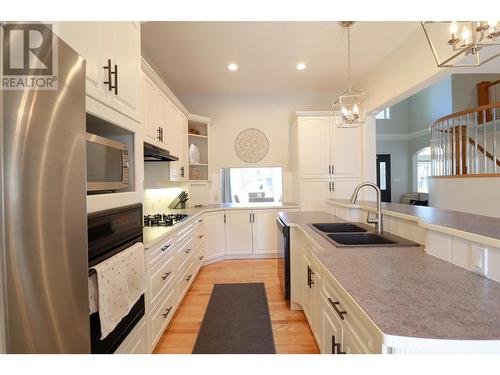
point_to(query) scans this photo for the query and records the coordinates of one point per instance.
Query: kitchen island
(401, 298)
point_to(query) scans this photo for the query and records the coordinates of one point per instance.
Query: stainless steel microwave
(107, 164)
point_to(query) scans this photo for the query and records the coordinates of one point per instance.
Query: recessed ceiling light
(301, 66)
(232, 67)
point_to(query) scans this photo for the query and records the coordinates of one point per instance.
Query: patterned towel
(120, 283)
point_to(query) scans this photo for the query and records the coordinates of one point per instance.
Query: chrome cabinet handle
(189, 277)
(329, 169)
(200, 221)
(165, 247)
(167, 312)
(333, 185)
(310, 281)
(164, 277)
(339, 312)
(200, 236)
(187, 251)
(333, 168)
(201, 258)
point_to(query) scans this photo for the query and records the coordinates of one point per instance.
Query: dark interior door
(384, 176)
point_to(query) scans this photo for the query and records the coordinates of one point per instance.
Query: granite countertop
(152, 235)
(407, 292)
(437, 218)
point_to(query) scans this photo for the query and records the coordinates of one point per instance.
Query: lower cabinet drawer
(158, 279)
(156, 252)
(185, 279)
(184, 253)
(159, 318)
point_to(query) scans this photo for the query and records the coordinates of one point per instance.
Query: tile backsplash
(157, 200)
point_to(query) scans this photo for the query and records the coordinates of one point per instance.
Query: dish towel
(120, 283)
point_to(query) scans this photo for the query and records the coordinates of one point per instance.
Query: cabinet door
(265, 233)
(343, 189)
(350, 342)
(313, 194)
(122, 44)
(331, 328)
(215, 235)
(238, 232)
(179, 133)
(163, 111)
(149, 109)
(345, 151)
(314, 147)
(86, 39)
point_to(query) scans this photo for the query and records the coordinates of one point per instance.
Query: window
(423, 169)
(251, 185)
(384, 114)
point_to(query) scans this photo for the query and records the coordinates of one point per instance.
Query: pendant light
(350, 107)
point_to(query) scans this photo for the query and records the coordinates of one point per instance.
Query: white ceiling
(193, 56)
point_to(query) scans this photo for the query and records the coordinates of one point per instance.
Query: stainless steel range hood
(154, 153)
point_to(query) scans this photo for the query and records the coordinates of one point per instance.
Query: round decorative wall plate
(251, 145)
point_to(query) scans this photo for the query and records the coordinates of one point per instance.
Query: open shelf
(198, 135)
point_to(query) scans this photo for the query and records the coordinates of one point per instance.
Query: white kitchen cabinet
(122, 44)
(326, 151)
(314, 147)
(329, 160)
(264, 231)
(164, 115)
(215, 235)
(178, 135)
(314, 193)
(86, 39)
(149, 109)
(238, 231)
(119, 42)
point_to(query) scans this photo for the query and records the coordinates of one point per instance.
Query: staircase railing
(465, 143)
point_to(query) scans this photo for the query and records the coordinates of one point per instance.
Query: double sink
(358, 235)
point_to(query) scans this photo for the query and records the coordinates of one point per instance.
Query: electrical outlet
(479, 259)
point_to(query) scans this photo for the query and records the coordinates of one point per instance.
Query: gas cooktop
(163, 220)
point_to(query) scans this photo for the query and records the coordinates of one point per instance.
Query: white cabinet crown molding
(151, 73)
(198, 118)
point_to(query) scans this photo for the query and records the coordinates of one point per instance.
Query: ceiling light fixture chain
(350, 107)
(349, 83)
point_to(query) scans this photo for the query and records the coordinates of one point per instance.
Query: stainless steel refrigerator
(44, 219)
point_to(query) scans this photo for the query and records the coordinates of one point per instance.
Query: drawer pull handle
(164, 277)
(189, 277)
(310, 280)
(200, 236)
(200, 221)
(165, 247)
(340, 313)
(167, 312)
(201, 258)
(187, 251)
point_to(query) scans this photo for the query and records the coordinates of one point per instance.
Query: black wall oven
(284, 257)
(110, 232)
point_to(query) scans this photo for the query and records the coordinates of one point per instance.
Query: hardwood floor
(292, 334)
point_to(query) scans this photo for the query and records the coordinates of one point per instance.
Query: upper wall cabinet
(326, 151)
(112, 52)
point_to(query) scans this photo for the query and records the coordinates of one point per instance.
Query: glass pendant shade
(350, 109)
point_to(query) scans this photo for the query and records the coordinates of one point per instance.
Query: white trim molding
(151, 73)
(402, 136)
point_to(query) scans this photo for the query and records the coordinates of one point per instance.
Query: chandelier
(463, 43)
(350, 107)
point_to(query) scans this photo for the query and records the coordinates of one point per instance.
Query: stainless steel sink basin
(356, 239)
(337, 227)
